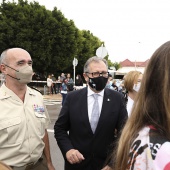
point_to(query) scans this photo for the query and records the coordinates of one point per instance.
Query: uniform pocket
(41, 118)
(9, 130)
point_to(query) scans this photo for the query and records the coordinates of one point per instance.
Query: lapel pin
(108, 100)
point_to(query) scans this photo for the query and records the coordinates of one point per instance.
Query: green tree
(117, 65)
(51, 39)
(110, 63)
(90, 43)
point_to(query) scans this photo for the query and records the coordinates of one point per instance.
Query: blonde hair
(131, 78)
(151, 107)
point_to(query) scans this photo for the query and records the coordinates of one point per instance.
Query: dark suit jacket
(74, 118)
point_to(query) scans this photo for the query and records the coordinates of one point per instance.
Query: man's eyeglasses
(97, 74)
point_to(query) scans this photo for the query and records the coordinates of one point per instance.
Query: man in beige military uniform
(24, 118)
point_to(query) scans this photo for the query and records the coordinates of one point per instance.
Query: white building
(128, 65)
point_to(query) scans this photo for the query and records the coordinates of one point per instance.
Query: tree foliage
(52, 40)
(117, 65)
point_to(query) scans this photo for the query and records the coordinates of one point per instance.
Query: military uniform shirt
(22, 127)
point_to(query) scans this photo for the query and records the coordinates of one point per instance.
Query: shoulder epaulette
(32, 87)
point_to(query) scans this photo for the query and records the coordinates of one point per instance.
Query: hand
(74, 156)
(50, 166)
(107, 168)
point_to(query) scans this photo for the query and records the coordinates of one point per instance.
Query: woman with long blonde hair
(132, 82)
(145, 140)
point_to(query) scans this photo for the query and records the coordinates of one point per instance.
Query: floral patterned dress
(149, 151)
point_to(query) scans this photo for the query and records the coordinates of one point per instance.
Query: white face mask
(136, 87)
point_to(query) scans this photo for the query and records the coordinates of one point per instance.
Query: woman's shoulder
(153, 148)
(162, 159)
(160, 149)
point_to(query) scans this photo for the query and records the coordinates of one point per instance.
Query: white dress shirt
(90, 101)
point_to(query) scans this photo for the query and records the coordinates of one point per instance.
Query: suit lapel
(84, 110)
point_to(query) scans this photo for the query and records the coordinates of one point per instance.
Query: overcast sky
(131, 29)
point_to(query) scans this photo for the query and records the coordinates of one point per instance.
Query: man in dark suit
(85, 129)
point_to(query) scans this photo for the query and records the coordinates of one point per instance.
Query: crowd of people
(97, 129)
(55, 85)
(63, 84)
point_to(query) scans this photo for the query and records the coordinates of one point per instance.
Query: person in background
(88, 119)
(49, 84)
(109, 82)
(24, 119)
(70, 83)
(145, 140)
(53, 85)
(121, 89)
(78, 82)
(58, 85)
(64, 90)
(114, 85)
(62, 77)
(132, 84)
(120, 85)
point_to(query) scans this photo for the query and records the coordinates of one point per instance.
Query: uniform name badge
(39, 111)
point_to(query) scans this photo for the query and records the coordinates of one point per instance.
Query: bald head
(13, 53)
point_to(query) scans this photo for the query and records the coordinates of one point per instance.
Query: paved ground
(53, 105)
(56, 97)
